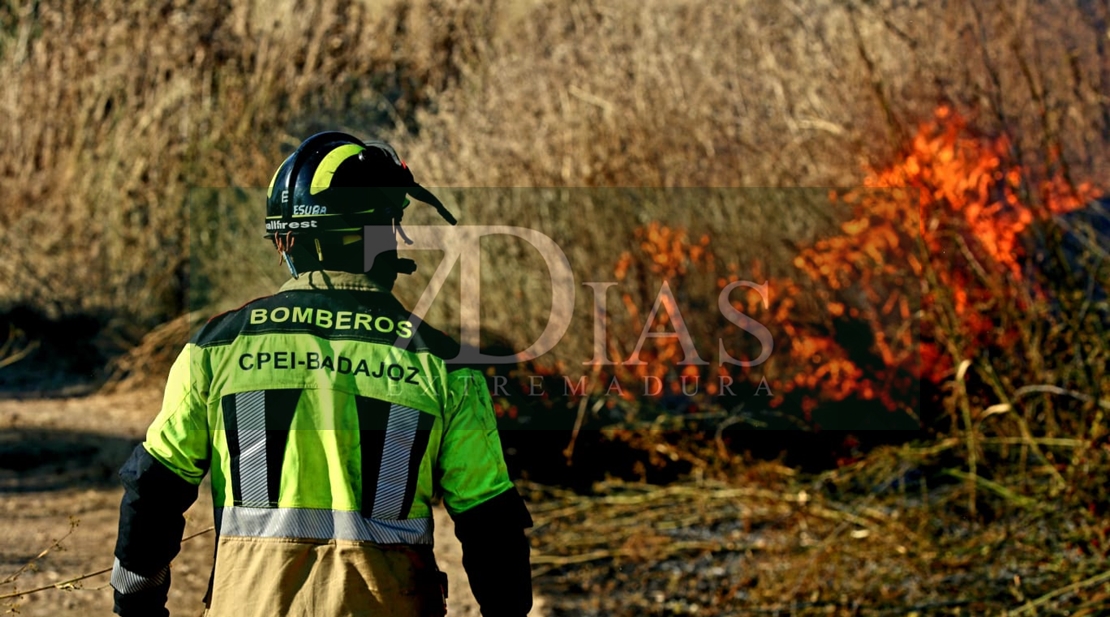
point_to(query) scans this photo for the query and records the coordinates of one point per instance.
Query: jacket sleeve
(490, 517)
(496, 554)
(160, 482)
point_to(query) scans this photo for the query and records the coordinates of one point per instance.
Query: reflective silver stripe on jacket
(250, 412)
(393, 477)
(125, 581)
(312, 524)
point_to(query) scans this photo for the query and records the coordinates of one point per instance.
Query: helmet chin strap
(283, 247)
(403, 266)
(397, 229)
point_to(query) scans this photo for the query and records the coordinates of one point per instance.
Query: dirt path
(58, 460)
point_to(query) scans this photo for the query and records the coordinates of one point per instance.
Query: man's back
(326, 412)
(328, 419)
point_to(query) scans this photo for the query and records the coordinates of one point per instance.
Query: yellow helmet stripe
(270, 191)
(321, 180)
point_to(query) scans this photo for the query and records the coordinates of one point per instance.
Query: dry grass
(882, 537)
(116, 111)
(136, 135)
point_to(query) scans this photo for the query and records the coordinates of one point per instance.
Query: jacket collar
(333, 279)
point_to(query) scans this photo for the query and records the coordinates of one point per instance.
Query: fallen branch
(1048, 389)
(660, 553)
(71, 581)
(60, 585)
(73, 523)
(1046, 598)
(995, 488)
(9, 354)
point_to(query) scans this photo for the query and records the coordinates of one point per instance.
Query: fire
(913, 279)
(963, 179)
(950, 214)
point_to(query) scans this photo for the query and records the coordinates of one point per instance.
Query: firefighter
(327, 417)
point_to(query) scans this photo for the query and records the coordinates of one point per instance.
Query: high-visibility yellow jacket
(327, 417)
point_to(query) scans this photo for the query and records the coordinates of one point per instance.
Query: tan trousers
(268, 577)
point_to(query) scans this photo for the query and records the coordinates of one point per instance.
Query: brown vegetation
(136, 136)
(117, 112)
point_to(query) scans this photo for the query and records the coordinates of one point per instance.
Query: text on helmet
(282, 225)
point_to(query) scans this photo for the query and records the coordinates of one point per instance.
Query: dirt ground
(58, 462)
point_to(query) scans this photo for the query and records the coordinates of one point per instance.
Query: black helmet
(334, 185)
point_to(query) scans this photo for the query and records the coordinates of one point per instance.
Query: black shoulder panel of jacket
(496, 554)
(335, 314)
(150, 526)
